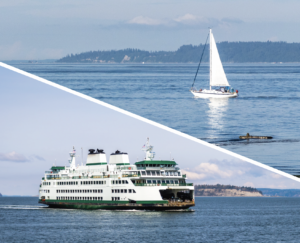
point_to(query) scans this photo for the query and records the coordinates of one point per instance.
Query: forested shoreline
(232, 52)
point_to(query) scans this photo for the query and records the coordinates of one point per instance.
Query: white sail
(217, 74)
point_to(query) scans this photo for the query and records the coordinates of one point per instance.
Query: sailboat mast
(210, 59)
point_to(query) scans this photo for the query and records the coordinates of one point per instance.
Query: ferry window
(112, 198)
(167, 173)
(153, 173)
(121, 190)
(113, 182)
(126, 182)
(143, 172)
(150, 165)
(176, 182)
(118, 198)
(76, 182)
(148, 173)
(172, 182)
(99, 191)
(149, 181)
(171, 173)
(178, 173)
(167, 181)
(125, 190)
(112, 191)
(89, 182)
(133, 191)
(158, 173)
(97, 182)
(123, 182)
(154, 181)
(158, 181)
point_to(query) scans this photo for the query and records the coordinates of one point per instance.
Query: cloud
(13, 157)
(207, 170)
(186, 20)
(190, 19)
(141, 20)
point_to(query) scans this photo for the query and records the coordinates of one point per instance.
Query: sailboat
(219, 86)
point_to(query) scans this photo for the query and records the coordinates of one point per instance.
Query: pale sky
(39, 125)
(35, 29)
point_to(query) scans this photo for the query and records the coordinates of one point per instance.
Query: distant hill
(226, 191)
(237, 52)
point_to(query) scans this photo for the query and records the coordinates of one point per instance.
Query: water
(269, 102)
(213, 220)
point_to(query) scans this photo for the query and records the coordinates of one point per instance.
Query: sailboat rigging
(217, 76)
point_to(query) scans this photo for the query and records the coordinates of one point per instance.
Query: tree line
(220, 187)
(235, 52)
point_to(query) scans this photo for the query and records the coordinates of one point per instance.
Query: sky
(40, 124)
(35, 29)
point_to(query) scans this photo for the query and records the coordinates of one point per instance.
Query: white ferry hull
(205, 95)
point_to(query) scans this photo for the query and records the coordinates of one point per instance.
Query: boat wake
(22, 207)
(230, 142)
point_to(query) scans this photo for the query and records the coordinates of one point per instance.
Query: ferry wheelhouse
(148, 184)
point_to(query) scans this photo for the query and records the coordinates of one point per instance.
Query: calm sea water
(213, 220)
(269, 102)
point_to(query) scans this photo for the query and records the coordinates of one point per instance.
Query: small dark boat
(248, 136)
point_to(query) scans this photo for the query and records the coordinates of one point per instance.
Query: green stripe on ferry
(105, 201)
(97, 163)
(156, 162)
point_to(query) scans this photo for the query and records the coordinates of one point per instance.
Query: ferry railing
(158, 168)
(163, 184)
(162, 174)
(79, 177)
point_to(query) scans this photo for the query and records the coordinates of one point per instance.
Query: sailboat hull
(213, 94)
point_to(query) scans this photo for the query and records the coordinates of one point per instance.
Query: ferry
(118, 185)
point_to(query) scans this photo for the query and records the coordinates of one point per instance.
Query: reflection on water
(215, 115)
